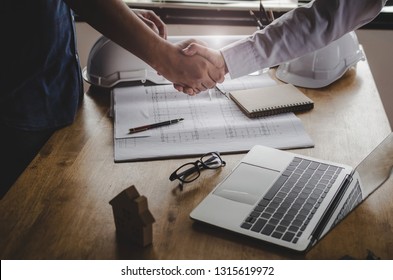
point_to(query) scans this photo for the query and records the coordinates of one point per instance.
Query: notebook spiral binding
(295, 107)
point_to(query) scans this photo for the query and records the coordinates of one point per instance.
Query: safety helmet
(323, 66)
(108, 64)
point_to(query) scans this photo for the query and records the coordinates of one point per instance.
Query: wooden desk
(59, 207)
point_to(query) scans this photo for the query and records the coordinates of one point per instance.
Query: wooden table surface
(59, 208)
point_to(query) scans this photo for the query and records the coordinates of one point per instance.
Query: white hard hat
(108, 64)
(324, 66)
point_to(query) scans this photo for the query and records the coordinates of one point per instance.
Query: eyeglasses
(191, 171)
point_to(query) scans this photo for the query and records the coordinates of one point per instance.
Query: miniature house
(133, 220)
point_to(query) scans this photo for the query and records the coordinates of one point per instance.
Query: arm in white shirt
(300, 31)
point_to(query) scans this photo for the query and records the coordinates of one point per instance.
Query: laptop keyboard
(287, 208)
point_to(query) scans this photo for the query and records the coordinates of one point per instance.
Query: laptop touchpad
(247, 184)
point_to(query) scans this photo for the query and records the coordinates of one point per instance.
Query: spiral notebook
(259, 102)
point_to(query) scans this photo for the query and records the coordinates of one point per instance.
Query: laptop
(292, 200)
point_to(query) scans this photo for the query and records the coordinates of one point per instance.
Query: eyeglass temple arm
(185, 173)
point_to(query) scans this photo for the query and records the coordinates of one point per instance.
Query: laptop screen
(376, 168)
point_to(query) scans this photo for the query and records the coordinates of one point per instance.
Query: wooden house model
(133, 220)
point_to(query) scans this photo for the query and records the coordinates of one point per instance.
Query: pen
(220, 91)
(154, 125)
(259, 23)
(210, 94)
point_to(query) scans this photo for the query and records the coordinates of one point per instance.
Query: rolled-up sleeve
(298, 32)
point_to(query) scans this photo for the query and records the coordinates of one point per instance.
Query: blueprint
(211, 122)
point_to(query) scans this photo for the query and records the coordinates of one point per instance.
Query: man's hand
(215, 75)
(213, 56)
(153, 21)
(191, 74)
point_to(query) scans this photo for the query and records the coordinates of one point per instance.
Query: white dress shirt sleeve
(300, 31)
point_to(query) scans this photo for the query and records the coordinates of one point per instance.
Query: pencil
(262, 11)
(259, 23)
(153, 125)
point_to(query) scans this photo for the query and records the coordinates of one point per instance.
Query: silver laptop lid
(376, 168)
(372, 172)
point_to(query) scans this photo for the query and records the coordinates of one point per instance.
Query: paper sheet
(214, 124)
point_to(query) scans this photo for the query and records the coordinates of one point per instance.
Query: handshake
(191, 66)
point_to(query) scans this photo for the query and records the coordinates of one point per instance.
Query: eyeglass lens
(211, 161)
(188, 172)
